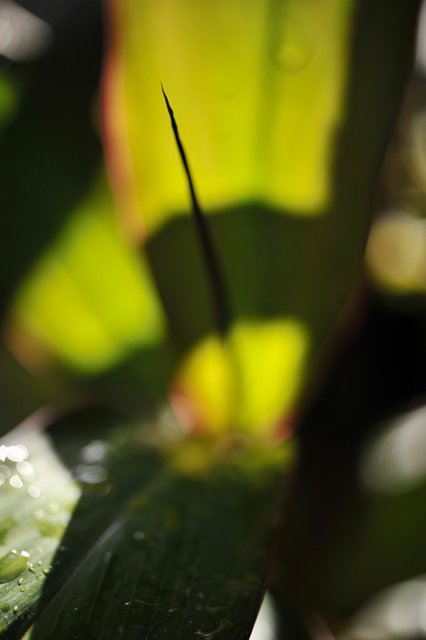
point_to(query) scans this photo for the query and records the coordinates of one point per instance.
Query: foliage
(171, 356)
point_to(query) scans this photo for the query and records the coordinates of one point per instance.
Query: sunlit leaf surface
(284, 109)
(89, 301)
(71, 290)
(104, 536)
(258, 91)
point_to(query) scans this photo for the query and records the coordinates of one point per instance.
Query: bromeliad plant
(243, 141)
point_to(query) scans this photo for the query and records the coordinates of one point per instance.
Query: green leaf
(105, 535)
(63, 258)
(63, 309)
(284, 109)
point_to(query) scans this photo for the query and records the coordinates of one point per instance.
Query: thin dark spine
(214, 273)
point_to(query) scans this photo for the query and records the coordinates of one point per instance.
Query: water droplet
(214, 632)
(138, 535)
(47, 570)
(91, 474)
(34, 492)
(5, 606)
(5, 471)
(22, 589)
(21, 580)
(30, 567)
(17, 453)
(11, 566)
(292, 52)
(25, 468)
(15, 609)
(16, 482)
(93, 452)
(25, 554)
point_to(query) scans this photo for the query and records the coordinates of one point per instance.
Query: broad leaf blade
(284, 153)
(63, 311)
(153, 547)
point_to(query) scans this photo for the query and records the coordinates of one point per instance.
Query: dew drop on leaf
(291, 53)
(11, 566)
(138, 535)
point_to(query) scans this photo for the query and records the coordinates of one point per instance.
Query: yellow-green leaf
(283, 109)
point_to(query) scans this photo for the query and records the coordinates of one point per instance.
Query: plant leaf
(110, 537)
(284, 124)
(63, 309)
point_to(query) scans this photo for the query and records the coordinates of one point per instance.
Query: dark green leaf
(129, 540)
